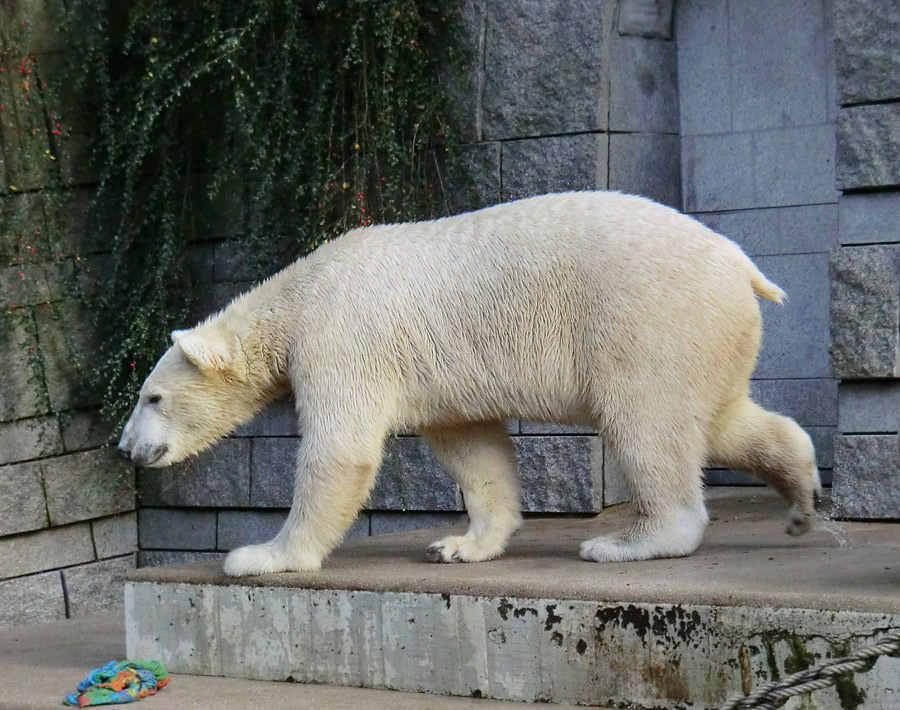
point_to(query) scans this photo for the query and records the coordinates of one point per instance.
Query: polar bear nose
(123, 452)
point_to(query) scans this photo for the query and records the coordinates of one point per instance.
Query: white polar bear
(584, 308)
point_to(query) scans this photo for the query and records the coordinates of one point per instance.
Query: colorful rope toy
(119, 682)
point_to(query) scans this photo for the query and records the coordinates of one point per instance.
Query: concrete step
(541, 625)
(41, 664)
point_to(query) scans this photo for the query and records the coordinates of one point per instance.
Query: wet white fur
(589, 308)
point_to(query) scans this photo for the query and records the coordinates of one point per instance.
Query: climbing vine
(273, 124)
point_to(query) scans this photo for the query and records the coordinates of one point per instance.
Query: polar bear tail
(764, 288)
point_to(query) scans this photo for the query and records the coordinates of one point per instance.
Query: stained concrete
(41, 664)
(540, 625)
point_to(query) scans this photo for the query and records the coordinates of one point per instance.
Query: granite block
(278, 419)
(717, 172)
(541, 165)
(473, 181)
(85, 429)
(46, 549)
(646, 164)
(392, 522)
(531, 428)
(222, 214)
(173, 529)
(866, 484)
(88, 484)
(870, 218)
(802, 229)
(35, 599)
(22, 393)
(868, 146)
(412, 479)
(27, 439)
(201, 261)
(115, 535)
(248, 527)
(794, 166)
(42, 21)
(272, 473)
(704, 66)
(810, 402)
(529, 45)
(159, 558)
(560, 474)
(728, 477)
(23, 138)
(643, 85)
(866, 53)
(823, 440)
(464, 79)
(795, 335)
(22, 504)
(218, 477)
(215, 297)
(26, 284)
(778, 78)
(66, 340)
(97, 587)
(865, 312)
(869, 407)
(615, 485)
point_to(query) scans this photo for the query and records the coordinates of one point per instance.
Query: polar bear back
(549, 307)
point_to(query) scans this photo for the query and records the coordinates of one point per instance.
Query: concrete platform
(41, 664)
(542, 625)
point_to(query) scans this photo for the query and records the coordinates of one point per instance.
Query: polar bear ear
(211, 355)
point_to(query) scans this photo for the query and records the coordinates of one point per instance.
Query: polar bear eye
(154, 398)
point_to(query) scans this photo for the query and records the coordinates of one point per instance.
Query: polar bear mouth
(150, 458)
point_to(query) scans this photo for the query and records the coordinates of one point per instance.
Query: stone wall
(68, 526)
(726, 116)
(757, 148)
(558, 96)
(865, 327)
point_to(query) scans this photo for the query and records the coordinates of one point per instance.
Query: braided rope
(774, 694)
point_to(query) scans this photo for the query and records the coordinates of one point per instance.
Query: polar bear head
(199, 391)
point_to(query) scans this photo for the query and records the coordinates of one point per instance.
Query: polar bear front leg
(333, 479)
(481, 459)
(662, 465)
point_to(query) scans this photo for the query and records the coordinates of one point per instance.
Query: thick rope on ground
(775, 694)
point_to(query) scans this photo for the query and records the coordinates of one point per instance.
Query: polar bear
(590, 308)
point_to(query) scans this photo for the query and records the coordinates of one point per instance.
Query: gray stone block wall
(780, 140)
(865, 269)
(67, 523)
(66, 502)
(758, 164)
(59, 511)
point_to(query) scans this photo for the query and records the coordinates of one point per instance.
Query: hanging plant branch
(317, 117)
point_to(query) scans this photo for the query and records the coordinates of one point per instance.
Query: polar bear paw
(618, 549)
(463, 548)
(798, 523)
(265, 559)
(609, 549)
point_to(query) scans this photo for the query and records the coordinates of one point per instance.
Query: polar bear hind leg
(774, 449)
(481, 459)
